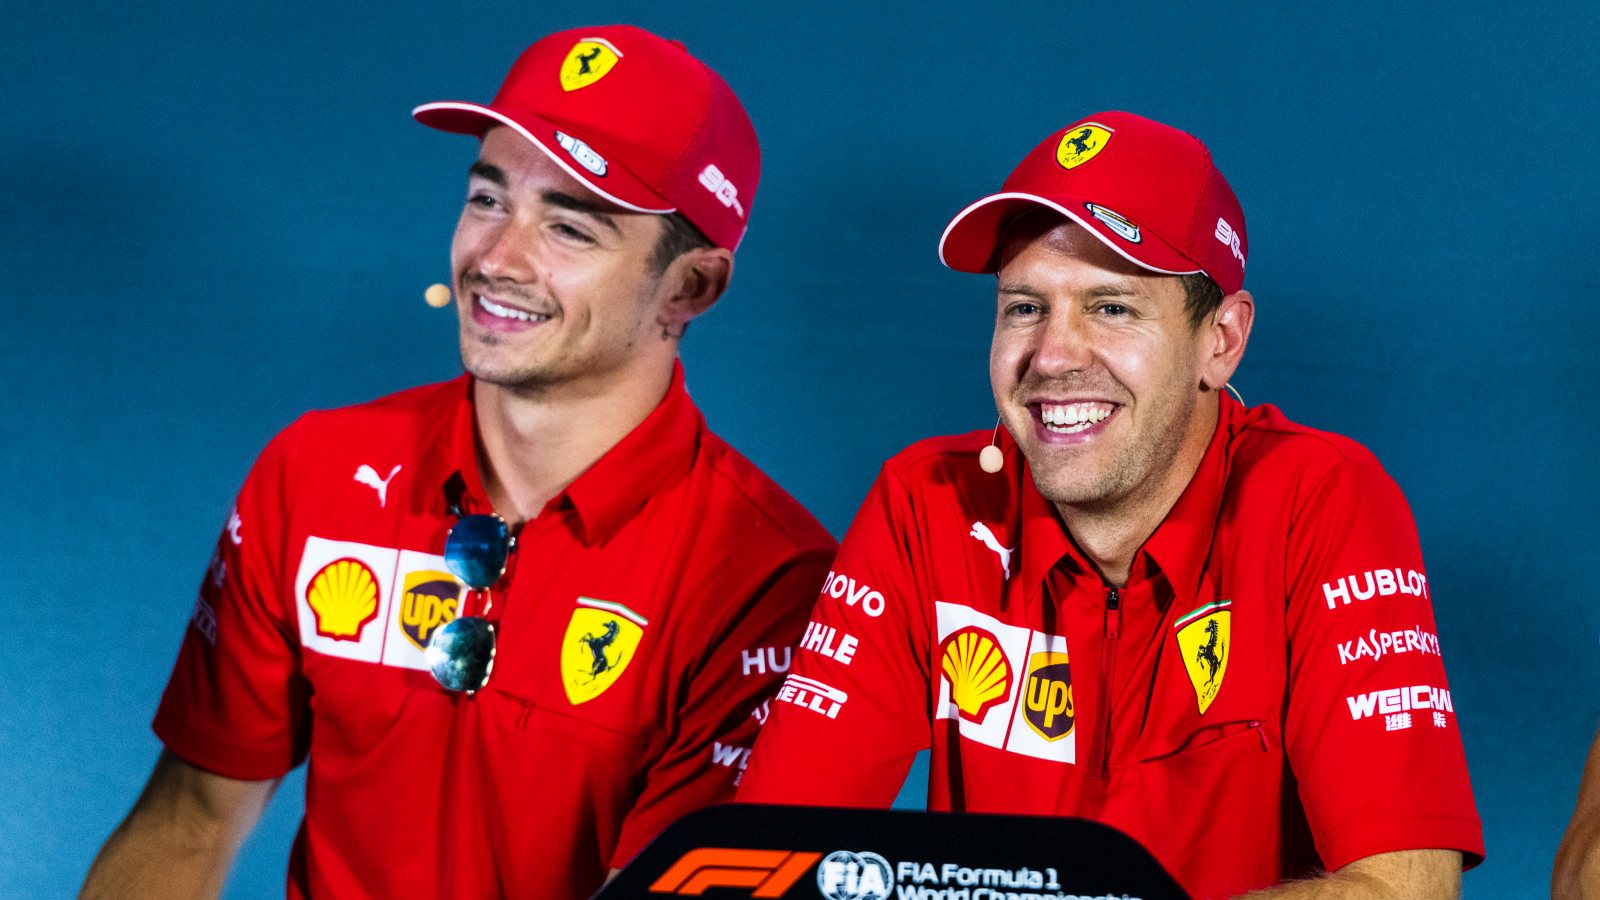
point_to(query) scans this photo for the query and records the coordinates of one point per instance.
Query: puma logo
(982, 533)
(368, 476)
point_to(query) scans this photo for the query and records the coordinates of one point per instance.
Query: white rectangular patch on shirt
(342, 595)
(979, 660)
(427, 596)
(1045, 724)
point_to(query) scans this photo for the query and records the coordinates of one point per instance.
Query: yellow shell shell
(344, 595)
(979, 673)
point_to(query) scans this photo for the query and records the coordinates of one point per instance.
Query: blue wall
(217, 218)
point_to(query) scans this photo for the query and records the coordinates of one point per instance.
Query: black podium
(853, 854)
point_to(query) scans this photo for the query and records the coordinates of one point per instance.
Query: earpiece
(990, 458)
(437, 295)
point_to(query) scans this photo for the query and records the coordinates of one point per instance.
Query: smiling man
(522, 620)
(1144, 604)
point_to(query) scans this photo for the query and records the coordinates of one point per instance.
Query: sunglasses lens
(475, 550)
(461, 652)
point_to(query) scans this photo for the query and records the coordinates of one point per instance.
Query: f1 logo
(770, 872)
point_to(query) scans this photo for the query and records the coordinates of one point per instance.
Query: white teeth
(506, 312)
(1071, 418)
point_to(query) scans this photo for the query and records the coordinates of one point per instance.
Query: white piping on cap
(511, 123)
(1014, 195)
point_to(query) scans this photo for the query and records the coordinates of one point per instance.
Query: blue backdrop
(218, 217)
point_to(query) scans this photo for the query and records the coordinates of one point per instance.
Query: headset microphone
(437, 295)
(990, 458)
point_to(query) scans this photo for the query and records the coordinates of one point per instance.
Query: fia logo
(844, 875)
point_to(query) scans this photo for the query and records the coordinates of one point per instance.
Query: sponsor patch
(830, 642)
(1117, 222)
(1204, 637)
(981, 533)
(712, 179)
(976, 670)
(602, 638)
(589, 60)
(809, 693)
(1400, 700)
(1225, 233)
(343, 596)
(1376, 645)
(843, 587)
(1082, 144)
(1047, 696)
(1006, 721)
(583, 154)
(1375, 583)
(428, 599)
(764, 660)
(204, 620)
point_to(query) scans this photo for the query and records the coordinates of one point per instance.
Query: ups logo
(428, 599)
(1047, 704)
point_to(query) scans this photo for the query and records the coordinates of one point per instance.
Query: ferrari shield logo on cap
(1081, 144)
(1204, 636)
(601, 640)
(589, 60)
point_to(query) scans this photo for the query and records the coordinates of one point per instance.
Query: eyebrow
(1103, 290)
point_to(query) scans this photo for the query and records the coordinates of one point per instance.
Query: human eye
(480, 199)
(1021, 310)
(1113, 310)
(571, 233)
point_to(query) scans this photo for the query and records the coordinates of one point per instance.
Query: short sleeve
(723, 709)
(1371, 730)
(236, 703)
(854, 711)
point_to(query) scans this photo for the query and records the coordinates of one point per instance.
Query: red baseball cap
(632, 116)
(1147, 190)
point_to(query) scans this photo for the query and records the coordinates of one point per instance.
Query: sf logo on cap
(1081, 143)
(589, 60)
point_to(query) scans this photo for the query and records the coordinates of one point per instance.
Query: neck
(1111, 533)
(532, 444)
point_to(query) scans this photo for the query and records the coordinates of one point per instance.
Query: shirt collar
(608, 493)
(1180, 545)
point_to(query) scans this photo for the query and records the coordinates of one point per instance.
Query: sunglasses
(461, 652)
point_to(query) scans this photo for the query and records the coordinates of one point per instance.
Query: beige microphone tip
(991, 460)
(437, 295)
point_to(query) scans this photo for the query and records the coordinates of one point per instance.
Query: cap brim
(971, 242)
(618, 185)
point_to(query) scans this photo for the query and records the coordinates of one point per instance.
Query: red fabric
(517, 791)
(1291, 767)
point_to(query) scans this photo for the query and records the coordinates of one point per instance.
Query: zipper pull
(1113, 614)
(1261, 733)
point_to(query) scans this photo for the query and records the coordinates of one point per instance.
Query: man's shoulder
(756, 506)
(398, 414)
(1268, 446)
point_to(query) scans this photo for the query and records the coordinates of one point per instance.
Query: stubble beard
(1120, 476)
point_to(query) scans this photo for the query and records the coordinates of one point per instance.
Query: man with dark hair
(522, 620)
(1143, 603)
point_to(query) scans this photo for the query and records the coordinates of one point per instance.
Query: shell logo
(344, 597)
(978, 671)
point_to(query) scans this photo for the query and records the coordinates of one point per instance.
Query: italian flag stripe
(1202, 612)
(617, 608)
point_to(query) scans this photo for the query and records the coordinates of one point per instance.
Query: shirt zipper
(1108, 668)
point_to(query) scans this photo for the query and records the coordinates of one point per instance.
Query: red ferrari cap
(633, 116)
(1149, 191)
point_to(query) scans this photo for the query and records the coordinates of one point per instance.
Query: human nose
(1063, 348)
(510, 252)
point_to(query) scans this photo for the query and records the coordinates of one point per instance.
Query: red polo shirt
(647, 612)
(1264, 697)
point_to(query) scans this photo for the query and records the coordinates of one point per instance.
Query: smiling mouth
(1073, 418)
(509, 313)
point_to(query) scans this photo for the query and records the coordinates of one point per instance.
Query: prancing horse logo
(1208, 651)
(597, 644)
